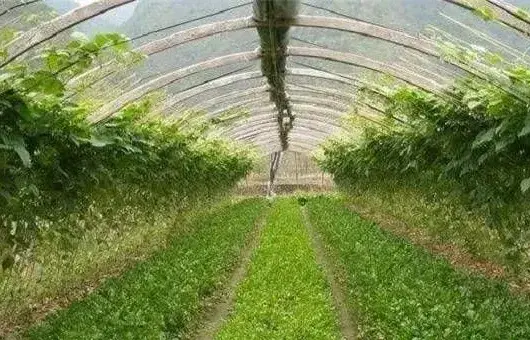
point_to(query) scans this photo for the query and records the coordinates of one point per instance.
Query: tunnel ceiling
(295, 66)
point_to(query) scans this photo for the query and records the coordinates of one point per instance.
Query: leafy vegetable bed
(402, 292)
(285, 295)
(161, 296)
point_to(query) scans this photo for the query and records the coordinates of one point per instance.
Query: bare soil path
(221, 304)
(347, 327)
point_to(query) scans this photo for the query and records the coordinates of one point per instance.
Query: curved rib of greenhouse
(264, 19)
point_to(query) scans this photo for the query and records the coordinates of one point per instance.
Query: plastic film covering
(295, 77)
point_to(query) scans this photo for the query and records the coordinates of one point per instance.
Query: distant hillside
(61, 6)
(108, 22)
(25, 17)
(154, 14)
(412, 16)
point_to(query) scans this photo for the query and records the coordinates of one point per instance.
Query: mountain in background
(61, 6)
(108, 22)
(412, 16)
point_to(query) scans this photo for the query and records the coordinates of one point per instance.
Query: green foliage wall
(470, 146)
(54, 163)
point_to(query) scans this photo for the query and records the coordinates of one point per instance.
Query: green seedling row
(162, 296)
(400, 291)
(285, 295)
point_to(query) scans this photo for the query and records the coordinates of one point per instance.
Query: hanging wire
(321, 69)
(341, 14)
(331, 11)
(158, 30)
(343, 76)
(310, 43)
(142, 80)
(219, 77)
(165, 28)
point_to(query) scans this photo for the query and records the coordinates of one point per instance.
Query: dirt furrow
(222, 303)
(347, 327)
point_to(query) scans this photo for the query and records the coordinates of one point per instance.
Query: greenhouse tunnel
(390, 139)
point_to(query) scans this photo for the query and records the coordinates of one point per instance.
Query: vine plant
(473, 143)
(53, 162)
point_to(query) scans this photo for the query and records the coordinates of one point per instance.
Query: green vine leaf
(45, 83)
(16, 143)
(526, 129)
(484, 137)
(525, 185)
(485, 13)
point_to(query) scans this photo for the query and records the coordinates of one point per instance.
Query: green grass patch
(442, 216)
(160, 297)
(285, 295)
(400, 291)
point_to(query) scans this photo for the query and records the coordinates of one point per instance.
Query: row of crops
(392, 289)
(161, 297)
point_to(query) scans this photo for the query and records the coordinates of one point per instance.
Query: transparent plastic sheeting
(294, 66)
